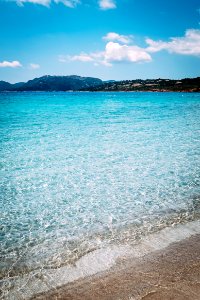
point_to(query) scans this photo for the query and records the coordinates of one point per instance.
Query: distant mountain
(17, 85)
(53, 83)
(153, 85)
(78, 83)
(5, 86)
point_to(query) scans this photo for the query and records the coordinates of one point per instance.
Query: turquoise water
(83, 170)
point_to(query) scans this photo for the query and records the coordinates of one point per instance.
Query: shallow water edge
(94, 262)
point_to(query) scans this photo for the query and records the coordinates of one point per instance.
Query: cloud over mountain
(114, 53)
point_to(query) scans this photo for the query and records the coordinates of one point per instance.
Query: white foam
(98, 261)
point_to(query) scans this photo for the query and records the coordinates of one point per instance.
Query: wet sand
(171, 273)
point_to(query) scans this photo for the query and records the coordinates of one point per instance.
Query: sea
(85, 171)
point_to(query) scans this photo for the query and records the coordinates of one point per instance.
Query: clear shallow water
(83, 170)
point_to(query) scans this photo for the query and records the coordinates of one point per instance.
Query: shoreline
(105, 264)
(170, 273)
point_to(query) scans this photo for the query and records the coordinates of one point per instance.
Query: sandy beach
(171, 273)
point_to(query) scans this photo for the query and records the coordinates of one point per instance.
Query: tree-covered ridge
(78, 83)
(154, 85)
(52, 83)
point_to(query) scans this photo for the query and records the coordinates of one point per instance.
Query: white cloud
(107, 4)
(41, 2)
(118, 49)
(113, 36)
(10, 64)
(34, 66)
(187, 45)
(82, 57)
(68, 3)
(113, 53)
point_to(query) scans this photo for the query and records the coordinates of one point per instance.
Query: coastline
(78, 83)
(121, 271)
(170, 273)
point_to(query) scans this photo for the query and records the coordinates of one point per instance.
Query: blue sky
(121, 39)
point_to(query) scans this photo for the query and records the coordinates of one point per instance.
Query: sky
(108, 39)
